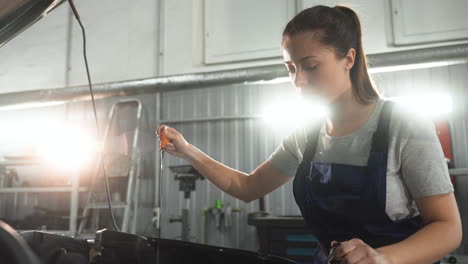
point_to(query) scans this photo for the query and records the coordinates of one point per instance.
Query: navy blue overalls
(341, 202)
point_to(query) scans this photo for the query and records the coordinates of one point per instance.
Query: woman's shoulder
(408, 122)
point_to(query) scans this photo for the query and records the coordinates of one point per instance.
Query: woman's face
(314, 68)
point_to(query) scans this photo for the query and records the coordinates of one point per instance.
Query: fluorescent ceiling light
(29, 105)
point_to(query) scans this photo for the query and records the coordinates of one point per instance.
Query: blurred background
(213, 70)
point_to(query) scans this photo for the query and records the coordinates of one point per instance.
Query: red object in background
(443, 132)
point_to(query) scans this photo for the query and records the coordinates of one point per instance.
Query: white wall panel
(36, 58)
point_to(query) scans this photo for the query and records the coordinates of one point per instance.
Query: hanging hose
(77, 16)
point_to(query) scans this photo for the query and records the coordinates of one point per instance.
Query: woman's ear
(350, 58)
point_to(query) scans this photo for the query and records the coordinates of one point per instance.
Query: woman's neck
(347, 114)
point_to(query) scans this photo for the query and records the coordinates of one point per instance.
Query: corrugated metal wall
(241, 144)
(243, 141)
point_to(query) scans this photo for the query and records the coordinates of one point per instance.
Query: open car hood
(18, 15)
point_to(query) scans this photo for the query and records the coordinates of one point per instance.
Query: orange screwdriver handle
(163, 138)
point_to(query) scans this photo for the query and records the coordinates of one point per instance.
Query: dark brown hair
(339, 28)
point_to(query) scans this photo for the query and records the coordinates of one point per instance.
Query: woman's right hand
(177, 144)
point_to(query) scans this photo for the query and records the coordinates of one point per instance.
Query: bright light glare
(428, 105)
(294, 112)
(66, 148)
(62, 146)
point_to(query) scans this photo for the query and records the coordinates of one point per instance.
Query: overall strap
(312, 138)
(380, 138)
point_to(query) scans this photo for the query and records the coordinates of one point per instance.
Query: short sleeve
(423, 166)
(287, 156)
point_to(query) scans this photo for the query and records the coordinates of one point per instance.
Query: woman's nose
(300, 79)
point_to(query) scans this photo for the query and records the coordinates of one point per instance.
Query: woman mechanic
(369, 175)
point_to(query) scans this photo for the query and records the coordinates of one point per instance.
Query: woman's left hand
(355, 251)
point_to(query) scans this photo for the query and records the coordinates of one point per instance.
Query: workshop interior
(85, 85)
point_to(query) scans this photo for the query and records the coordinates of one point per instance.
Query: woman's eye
(312, 68)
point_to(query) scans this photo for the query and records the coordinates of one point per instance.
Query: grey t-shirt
(416, 165)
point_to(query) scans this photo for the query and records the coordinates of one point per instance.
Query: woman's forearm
(428, 245)
(227, 179)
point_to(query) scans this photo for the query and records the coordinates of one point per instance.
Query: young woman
(370, 176)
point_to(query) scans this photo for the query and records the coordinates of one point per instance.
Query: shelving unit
(74, 189)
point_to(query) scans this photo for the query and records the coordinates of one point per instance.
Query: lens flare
(294, 112)
(433, 106)
(67, 148)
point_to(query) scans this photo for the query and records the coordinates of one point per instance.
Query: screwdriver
(331, 257)
(163, 138)
(164, 141)
(163, 144)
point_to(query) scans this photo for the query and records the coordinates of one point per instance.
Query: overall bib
(341, 202)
